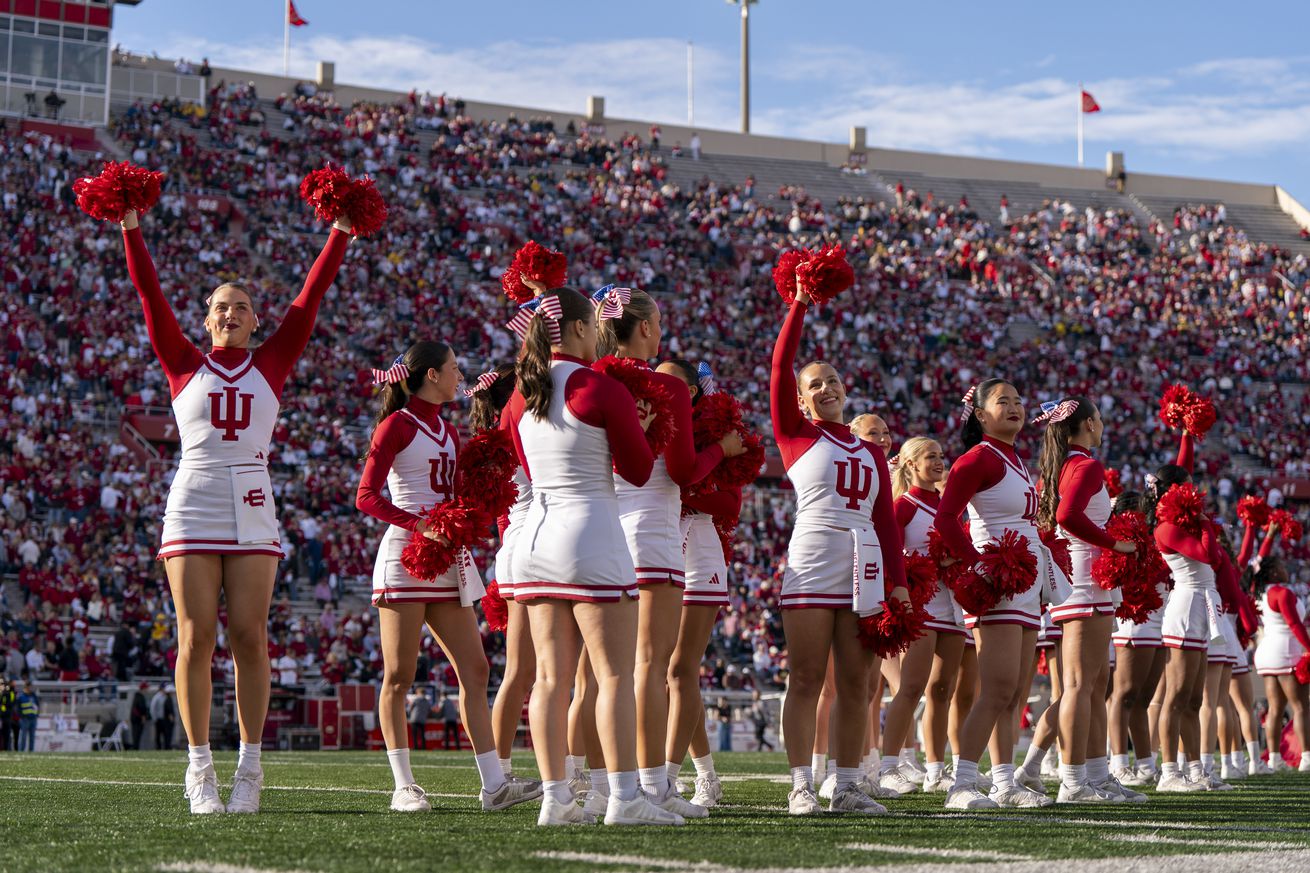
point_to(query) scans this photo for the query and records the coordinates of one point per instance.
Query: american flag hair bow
(967, 402)
(485, 381)
(705, 378)
(397, 372)
(611, 301)
(1053, 411)
(548, 306)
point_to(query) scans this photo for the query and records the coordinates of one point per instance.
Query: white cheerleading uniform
(518, 513)
(1279, 648)
(1193, 609)
(1086, 599)
(221, 499)
(651, 519)
(1146, 635)
(945, 615)
(706, 569)
(571, 545)
(422, 461)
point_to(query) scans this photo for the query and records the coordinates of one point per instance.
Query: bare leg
(823, 709)
(195, 581)
(657, 632)
(1277, 695)
(1000, 665)
(809, 641)
(556, 640)
(248, 589)
(609, 630)
(1298, 697)
(456, 630)
(916, 666)
(520, 667)
(685, 706)
(941, 686)
(852, 665)
(966, 692)
(400, 628)
(1084, 658)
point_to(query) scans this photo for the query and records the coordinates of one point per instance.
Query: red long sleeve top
(976, 470)
(274, 358)
(389, 438)
(686, 466)
(1283, 601)
(1081, 478)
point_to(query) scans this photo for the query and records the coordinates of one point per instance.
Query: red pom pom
(714, 417)
(333, 195)
(538, 263)
(120, 188)
(1182, 506)
(1199, 416)
(463, 525)
(636, 377)
(1113, 483)
(1009, 564)
(948, 568)
(726, 527)
(1287, 525)
(891, 631)
(365, 208)
(1059, 548)
(1254, 511)
(1173, 403)
(784, 274)
(920, 578)
(494, 608)
(485, 472)
(1302, 669)
(1181, 407)
(973, 592)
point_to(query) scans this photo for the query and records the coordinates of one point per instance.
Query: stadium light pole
(745, 61)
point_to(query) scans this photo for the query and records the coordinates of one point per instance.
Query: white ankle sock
(489, 771)
(600, 782)
(847, 776)
(672, 769)
(935, 769)
(200, 757)
(624, 786)
(1168, 770)
(819, 765)
(1073, 775)
(248, 756)
(886, 765)
(558, 789)
(574, 765)
(1003, 776)
(705, 766)
(1119, 762)
(400, 769)
(1253, 750)
(1032, 759)
(907, 756)
(966, 773)
(1195, 771)
(802, 777)
(654, 780)
(507, 766)
(1098, 769)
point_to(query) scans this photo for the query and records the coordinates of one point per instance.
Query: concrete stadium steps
(1267, 224)
(985, 194)
(819, 179)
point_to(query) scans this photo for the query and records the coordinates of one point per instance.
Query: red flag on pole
(294, 19)
(1089, 103)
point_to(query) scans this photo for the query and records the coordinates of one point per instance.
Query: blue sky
(1191, 90)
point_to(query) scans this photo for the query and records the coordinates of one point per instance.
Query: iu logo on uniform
(870, 572)
(854, 482)
(443, 472)
(230, 412)
(254, 497)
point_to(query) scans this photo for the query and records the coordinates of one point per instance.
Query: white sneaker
(515, 790)
(680, 786)
(1258, 767)
(579, 783)
(597, 804)
(555, 813)
(1026, 780)
(984, 782)
(1019, 797)
(848, 798)
(1051, 764)
(641, 811)
(912, 772)
(801, 801)
(1128, 776)
(673, 802)
(895, 780)
(969, 798)
(1082, 794)
(1214, 783)
(828, 786)
(1117, 791)
(246, 786)
(938, 785)
(1303, 766)
(709, 791)
(410, 798)
(1178, 783)
(202, 791)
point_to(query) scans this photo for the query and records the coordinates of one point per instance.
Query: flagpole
(1080, 124)
(286, 39)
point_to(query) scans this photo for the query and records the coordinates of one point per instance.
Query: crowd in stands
(1061, 300)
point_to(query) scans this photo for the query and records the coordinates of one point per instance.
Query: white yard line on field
(326, 788)
(1202, 842)
(216, 867)
(932, 852)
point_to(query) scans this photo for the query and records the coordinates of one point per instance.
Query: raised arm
(177, 355)
(1080, 481)
(390, 437)
(276, 357)
(1186, 452)
(1248, 546)
(784, 410)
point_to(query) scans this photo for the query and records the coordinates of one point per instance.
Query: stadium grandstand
(1084, 277)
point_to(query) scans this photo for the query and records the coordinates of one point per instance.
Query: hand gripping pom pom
(1199, 416)
(892, 631)
(822, 273)
(463, 525)
(333, 195)
(1113, 483)
(1254, 512)
(538, 263)
(1182, 407)
(494, 608)
(784, 274)
(120, 188)
(941, 555)
(713, 418)
(1302, 670)
(1010, 564)
(974, 593)
(1288, 526)
(1183, 506)
(1059, 549)
(643, 387)
(920, 578)
(485, 472)
(1173, 403)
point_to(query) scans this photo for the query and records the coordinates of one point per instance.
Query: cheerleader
(650, 514)
(1140, 657)
(220, 532)
(706, 593)
(932, 661)
(574, 429)
(490, 395)
(413, 454)
(991, 479)
(1240, 689)
(1283, 643)
(842, 484)
(1221, 657)
(1075, 503)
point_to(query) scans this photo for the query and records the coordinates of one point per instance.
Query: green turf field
(327, 811)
